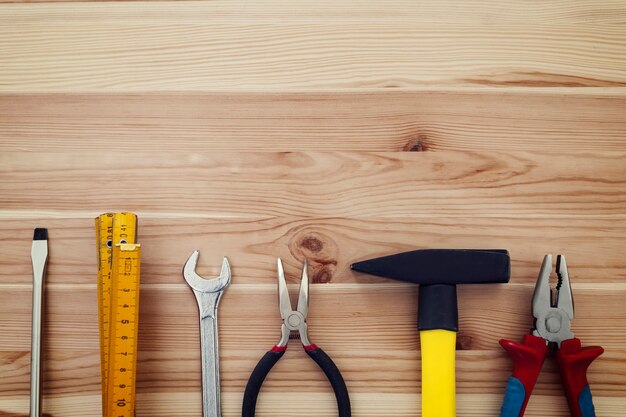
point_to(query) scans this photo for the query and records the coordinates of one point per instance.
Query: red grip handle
(528, 358)
(573, 362)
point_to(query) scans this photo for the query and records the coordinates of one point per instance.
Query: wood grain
(332, 130)
(386, 336)
(77, 372)
(423, 120)
(594, 246)
(409, 184)
(303, 404)
(174, 46)
(341, 317)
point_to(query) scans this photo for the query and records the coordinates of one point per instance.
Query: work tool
(118, 310)
(294, 321)
(553, 313)
(438, 271)
(39, 259)
(208, 293)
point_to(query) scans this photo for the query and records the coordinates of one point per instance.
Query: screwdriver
(39, 258)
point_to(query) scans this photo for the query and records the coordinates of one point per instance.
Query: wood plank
(245, 184)
(594, 246)
(304, 404)
(515, 118)
(174, 46)
(373, 317)
(388, 371)
(375, 121)
(514, 11)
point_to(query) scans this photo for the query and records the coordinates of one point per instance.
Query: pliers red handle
(552, 326)
(528, 358)
(294, 321)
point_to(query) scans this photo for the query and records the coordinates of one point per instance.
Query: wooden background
(335, 130)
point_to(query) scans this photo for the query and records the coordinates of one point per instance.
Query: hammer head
(442, 266)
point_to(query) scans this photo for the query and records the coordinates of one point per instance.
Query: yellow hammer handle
(438, 378)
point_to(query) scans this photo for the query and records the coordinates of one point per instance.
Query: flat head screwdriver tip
(41, 233)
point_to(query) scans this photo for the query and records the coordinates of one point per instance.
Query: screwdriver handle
(573, 362)
(528, 358)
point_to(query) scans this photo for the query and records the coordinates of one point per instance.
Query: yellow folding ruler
(118, 310)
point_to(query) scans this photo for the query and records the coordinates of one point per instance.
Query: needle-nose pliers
(294, 321)
(552, 331)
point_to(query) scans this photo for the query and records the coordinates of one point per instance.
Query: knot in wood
(463, 342)
(320, 250)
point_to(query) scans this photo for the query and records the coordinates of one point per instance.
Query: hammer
(438, 271)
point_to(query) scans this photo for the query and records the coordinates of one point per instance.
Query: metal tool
(294, 321)
(39, 258)
(208, 293)
(438, 271)
(553, 313)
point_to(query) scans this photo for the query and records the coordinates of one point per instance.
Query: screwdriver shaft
(39, 258)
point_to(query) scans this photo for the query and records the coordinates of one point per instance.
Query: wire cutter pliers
(552, 331)
(294, 321)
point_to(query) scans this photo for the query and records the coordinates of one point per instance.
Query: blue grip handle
(585, 403)
(514, 397)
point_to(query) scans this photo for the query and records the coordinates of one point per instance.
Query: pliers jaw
(293, 320)
(553, 315)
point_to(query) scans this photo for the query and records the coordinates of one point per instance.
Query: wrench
(208, 293)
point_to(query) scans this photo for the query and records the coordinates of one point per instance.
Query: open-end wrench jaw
(197, 283)
(207, 291)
